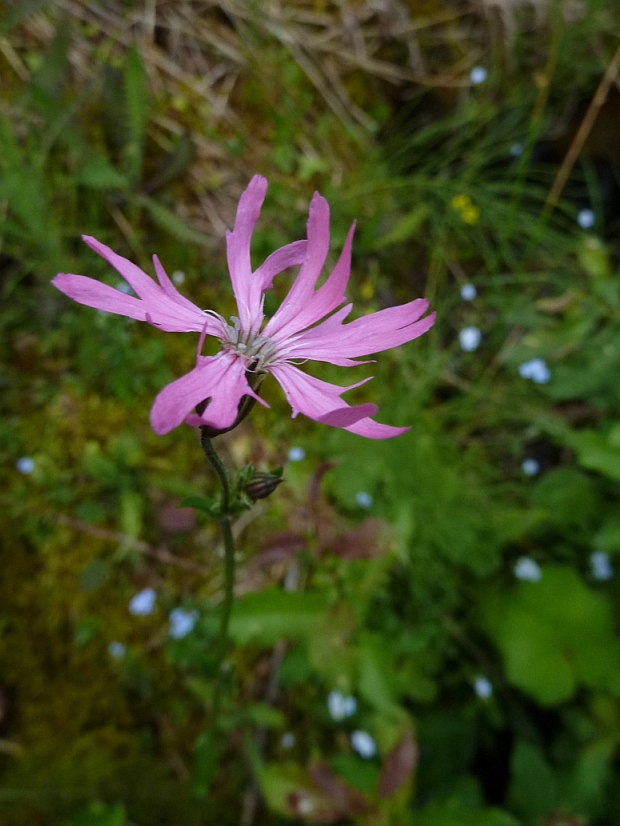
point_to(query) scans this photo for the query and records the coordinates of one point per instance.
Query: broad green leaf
(608, 537)
(555, 634)
(595, 452)
(271, 615)
(534, 790)
(452, 812)
(566, 494)
(264, 715)
(584, 786)
(377, 677)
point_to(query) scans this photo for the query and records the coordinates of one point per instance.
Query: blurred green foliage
(384, 571)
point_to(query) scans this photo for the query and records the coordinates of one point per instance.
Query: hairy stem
(229, 566)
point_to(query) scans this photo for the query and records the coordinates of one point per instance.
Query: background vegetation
(444, 580)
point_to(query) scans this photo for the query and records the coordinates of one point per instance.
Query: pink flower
(249, 350)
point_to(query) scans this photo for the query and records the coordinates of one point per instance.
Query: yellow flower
(469, 211)
(461, 202)
(471, 214)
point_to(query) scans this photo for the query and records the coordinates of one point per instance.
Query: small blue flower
(363, 744)
(530, 467)
(468, 292)
(470, 338)
(586, 218)
(483, 688)
(478, 75)
(296, 454)
(536, 370)
(116, 650)
(124, 287)
(516, 150)
(178, 277)
(527, 570)
(142, 604)
(288, 740)
(601, 566)
(25, 465)
(363, 499)
(182, 622)
(341, 706)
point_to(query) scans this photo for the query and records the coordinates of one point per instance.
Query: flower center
(259, 350)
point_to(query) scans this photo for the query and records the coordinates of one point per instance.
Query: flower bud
(262, 485)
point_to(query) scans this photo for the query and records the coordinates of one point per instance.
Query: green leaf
(271, 615)
(137, 104)
(595, 452)
(566, 494)
(377, 676)
(210, 505)
(266, 716)
(534, 791)
(98, 173)
(555, 634)
(585, 785)
(362, 775)
(452, 812)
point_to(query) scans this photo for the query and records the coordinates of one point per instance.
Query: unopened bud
(262, 485)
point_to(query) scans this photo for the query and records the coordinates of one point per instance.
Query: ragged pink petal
(373, 430)
(288, 256)
(329, 296)
(172, 314)
(248, 290)
(302, 290)
(346, 416)
(321, 401)
(364, 336)
(219, 378)
(139, 281)
(101, 296)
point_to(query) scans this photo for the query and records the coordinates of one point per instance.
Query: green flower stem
(229, 564)
(218, 466)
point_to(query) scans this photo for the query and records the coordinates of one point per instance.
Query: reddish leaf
(398, 765)
(279, 547)
(176, 520)
(350, 801)
(364, 542)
